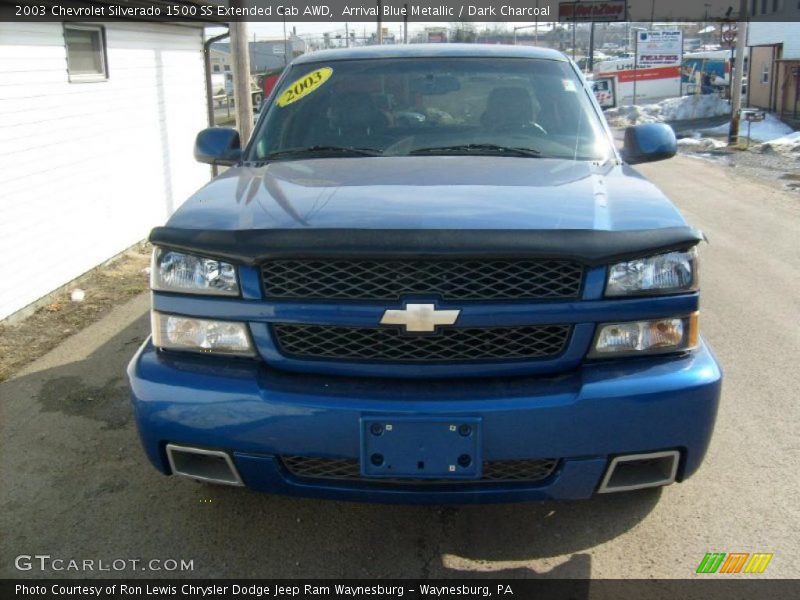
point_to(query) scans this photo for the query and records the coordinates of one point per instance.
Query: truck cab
(429, 276)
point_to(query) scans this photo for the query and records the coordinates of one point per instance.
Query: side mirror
(648, 143)
(218, 146)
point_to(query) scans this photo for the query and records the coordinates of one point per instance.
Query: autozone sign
(610, 10)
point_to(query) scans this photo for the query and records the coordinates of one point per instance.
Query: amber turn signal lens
(655, 336)
(693, 335)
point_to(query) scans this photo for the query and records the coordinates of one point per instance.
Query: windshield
(397, 107)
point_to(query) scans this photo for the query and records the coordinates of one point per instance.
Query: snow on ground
(770, 135)
(671, 109)
(787, 144)
(760, 131)
(695, 144)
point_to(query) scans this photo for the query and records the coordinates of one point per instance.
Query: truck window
(403, 106)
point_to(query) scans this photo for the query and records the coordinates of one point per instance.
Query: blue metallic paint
(649, 142)
(583, 313)
(438, 435)
(566, 407)
(432, 192)
(584, 413)
(218, 146)
(582, 416)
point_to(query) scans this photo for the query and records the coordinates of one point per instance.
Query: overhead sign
(659, 48)
(609, 10)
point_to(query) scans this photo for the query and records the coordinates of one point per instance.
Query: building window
(227, 67)
(216, 69)
(86, 52)
(765, 73)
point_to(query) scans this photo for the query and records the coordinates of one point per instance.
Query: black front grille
(448, 345)
(449, 279)
(347, 469)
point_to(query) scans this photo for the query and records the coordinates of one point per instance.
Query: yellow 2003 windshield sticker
(304, 86)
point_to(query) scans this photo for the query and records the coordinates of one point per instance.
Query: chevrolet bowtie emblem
(420, 318)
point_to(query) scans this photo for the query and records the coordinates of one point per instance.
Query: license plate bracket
(405, 447)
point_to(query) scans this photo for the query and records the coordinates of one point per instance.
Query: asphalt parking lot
(74, 482)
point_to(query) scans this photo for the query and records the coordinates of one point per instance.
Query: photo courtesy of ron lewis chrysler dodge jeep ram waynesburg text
(428, 277)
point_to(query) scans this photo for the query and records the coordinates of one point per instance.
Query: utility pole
(405, 24)
(738, 73)
(285, 44)
(635, 63)
(523, 27)
(574, 32)
(240, 56)
(380, 29)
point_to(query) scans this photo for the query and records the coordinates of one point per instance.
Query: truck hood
(432, 192)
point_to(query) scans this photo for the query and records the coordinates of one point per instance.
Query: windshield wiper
(313, 150)
(478, 149)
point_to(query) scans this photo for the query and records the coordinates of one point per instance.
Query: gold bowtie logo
(419, 318)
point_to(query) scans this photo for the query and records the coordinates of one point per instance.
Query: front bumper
(583, 418)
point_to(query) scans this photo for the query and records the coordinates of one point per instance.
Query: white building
(97, 124)
(774, 40)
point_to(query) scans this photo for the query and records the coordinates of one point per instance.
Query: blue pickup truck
(429, 276)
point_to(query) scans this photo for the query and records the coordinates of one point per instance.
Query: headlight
(664, 273)
(177, 272)
(645, 337)
(173, 332)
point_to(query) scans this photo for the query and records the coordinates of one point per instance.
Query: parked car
(482, 303)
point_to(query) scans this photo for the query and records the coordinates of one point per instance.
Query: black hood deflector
(587, 246)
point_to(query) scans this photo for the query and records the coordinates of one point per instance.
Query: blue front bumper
(582, 417)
